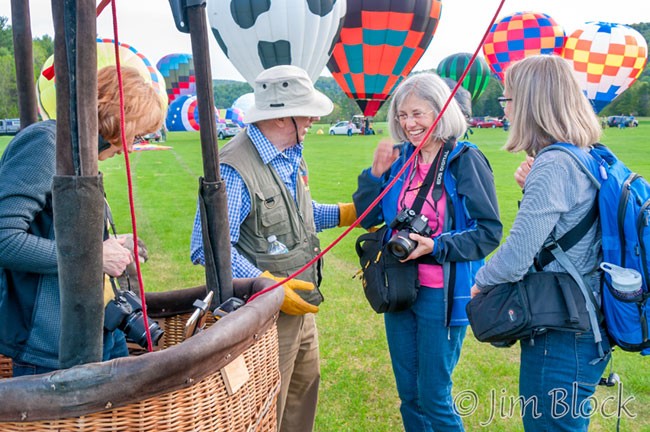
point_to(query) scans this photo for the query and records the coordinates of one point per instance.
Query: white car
(9, 126)
(227, 130)
(341, 128)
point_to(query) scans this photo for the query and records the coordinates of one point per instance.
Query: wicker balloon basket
(225, 378)
(5, 367)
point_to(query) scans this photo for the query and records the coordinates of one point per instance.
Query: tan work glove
(347, 214)
(293, 304)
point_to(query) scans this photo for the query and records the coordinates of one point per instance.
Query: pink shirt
(430, 275)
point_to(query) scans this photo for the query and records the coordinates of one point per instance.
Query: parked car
(622, 121)
(153, 137)
(227, 130)
(341, 128)
(485, 122)
(9, 126)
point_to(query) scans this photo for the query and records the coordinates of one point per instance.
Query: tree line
(635, 100)
(42, 48)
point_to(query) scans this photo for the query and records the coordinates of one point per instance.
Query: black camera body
(406, 222)
(124, 312)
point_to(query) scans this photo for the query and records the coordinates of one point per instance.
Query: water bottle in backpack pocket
(624, 210)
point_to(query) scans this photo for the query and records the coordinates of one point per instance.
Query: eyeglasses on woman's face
(503, 101)
(416, 115)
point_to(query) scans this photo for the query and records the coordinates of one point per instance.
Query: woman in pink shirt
(449, 188)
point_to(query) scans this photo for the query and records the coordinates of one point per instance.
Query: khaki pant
(299, 372)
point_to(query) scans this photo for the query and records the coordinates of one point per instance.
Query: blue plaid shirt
(286, 164)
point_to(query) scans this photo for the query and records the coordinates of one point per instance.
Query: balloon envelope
(477, 77)
(183, 114)
(244, 102)
(129, 56)
(380, 43)
(178, 70)
(235, 115)
(521, 35)
(259, 34)
(607, 58)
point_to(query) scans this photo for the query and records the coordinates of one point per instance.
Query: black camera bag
(541, 301)
(389, 285)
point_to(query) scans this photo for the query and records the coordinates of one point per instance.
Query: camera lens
(400, 245)
(135, 330)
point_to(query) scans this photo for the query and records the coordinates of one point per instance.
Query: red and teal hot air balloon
(380, 43)
(178, 70)
(477, 77)
(520, 35)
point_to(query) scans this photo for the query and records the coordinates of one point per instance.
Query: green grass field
(357, 391)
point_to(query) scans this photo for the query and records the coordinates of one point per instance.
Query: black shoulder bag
(388, 284)
(504, 313)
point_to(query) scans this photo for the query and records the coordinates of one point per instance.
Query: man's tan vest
(274, 212)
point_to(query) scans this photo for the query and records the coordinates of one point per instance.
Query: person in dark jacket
(425, 340)
(30, 320)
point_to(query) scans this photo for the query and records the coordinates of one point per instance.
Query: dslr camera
(124, 312)
(406, 222)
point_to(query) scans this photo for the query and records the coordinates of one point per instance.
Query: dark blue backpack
(624, 209)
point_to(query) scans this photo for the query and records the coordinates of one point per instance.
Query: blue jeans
(424, 353)
(556, 380)
(114, 347)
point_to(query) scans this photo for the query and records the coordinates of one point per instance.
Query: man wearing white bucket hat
(268, 196)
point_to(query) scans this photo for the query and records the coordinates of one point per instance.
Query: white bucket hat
(286, 91)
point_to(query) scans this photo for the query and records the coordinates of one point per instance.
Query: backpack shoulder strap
(587, 162)
(589, 165)
(570, 238)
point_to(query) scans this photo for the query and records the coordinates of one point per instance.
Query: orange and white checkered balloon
(607, 58)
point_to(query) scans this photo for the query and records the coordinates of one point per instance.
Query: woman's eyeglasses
(418, 115)
(503, 101)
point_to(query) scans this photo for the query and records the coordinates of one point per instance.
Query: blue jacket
(472, 227)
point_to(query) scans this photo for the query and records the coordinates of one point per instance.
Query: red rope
(101, 6)
(400, 172)
(116, 44)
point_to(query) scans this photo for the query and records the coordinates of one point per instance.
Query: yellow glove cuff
(347, 214)
(293, 304)
(293, 283)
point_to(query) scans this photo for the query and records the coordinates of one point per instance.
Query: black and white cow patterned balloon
(259, 34)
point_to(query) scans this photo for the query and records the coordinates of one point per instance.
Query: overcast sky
(148, 25)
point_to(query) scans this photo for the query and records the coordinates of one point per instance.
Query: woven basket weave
(174, 327)
(204, 405)
(5, 367)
